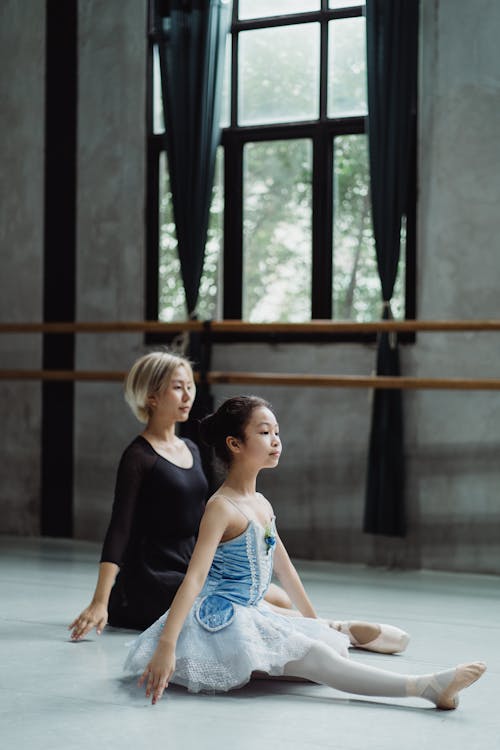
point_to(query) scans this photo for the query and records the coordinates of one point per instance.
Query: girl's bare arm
(162, 665)
(290, 580)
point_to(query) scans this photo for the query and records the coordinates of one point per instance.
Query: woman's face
(173, 402)
(262, 445)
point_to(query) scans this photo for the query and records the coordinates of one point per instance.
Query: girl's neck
(242, 480)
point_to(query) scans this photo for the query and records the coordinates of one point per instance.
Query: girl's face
(262, 446)
(174, 400)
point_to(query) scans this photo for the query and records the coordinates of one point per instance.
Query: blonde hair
(147, 376)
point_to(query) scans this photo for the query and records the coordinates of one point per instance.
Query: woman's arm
(290, 580)
(96, 614)
(162, 665)
(133, 467)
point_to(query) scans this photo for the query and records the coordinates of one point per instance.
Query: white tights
(324, 665)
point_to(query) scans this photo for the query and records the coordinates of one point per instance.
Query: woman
(159, 500)
(219, 630)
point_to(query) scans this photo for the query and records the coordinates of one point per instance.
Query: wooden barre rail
(239, 326)
(272, 378)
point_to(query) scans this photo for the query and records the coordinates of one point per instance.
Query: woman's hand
(159, 671)
(94, 616)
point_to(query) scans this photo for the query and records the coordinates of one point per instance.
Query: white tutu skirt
(255, 640)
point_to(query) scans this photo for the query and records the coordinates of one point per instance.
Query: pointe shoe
(443, 688)
(383, 639)
(465, 675)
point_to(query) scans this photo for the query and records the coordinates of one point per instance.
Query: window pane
(258, 8)
(345, 3)
(158, 121)
(356, 283)
(277, 231)
(279, 74)
(346, 67)
(172, 301)
(225, 114)
(210, 296)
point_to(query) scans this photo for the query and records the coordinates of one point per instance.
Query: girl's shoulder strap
(235, 505)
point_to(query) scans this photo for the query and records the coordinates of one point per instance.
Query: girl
(219, 630)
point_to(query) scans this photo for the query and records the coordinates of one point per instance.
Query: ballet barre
(273, 379)
(239, 326)
(262, 378)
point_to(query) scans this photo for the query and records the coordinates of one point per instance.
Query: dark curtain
(192, 52)
(192, 44)
(200, 353)
(392, 48)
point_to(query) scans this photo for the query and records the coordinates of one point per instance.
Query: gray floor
(57, 694)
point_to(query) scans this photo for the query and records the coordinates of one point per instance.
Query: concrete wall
(110, 237)
(22, 103)
(452, 438)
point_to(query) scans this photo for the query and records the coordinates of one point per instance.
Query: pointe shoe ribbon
(381, 638)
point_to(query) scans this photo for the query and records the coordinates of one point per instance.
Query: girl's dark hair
(231, 418)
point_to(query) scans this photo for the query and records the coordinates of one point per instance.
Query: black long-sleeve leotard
(156, 514)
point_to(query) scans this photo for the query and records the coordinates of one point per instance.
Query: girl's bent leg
(323, 665)
(384, 639)
(279, 599)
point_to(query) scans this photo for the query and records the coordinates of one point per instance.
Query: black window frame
(322, 133)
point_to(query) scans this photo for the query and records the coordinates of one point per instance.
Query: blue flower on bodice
(269, 538)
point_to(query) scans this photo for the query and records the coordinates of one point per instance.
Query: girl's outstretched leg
(322, 664)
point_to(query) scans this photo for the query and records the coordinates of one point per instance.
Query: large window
(290, 235)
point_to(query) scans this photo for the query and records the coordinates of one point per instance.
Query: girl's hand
(158, 672)
(95, 615)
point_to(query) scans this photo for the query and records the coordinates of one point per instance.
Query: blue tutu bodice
(231, 631)
(240, 574)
